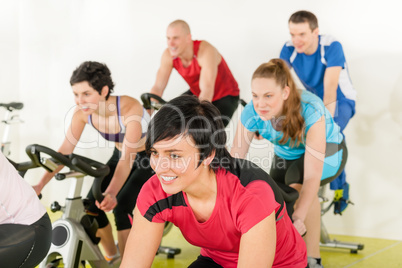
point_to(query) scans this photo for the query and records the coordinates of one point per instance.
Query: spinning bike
(74, 240)
(9, 119)
(12, 118)
(325, 240)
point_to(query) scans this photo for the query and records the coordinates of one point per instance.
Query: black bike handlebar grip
(12, 105)
(242, 102)
(93, 168)
(96, 189)
(87, 160)
(34, 151)
(60, 176)
(146, 100)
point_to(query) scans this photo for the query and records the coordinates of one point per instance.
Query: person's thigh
(344, 111)
(286, 172)
(16, 241)
(278, 169)
(227, 106)
(335, 160)
(43, 239)
(25, 246)
(127, 197)
(202, 262)
(92, 210)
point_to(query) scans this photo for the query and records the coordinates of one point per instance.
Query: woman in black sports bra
(120, 119)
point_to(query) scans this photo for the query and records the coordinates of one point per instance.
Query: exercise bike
(74, 240)
(325, 240)
(12, 118)
(9, 119)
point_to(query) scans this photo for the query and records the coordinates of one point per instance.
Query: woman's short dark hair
(200, 120)
(96, 74)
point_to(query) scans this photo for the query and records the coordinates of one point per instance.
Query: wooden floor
(377, 253)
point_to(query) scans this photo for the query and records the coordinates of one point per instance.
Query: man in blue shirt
(319, 62)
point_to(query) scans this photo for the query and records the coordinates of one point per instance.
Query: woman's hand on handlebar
(109, 202)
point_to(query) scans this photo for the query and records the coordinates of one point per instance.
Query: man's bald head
(181, 23)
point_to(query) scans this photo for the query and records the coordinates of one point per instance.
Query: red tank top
(225, 83)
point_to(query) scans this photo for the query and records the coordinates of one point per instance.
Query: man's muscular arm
(162, 77)
(331, 80)
(208, 59)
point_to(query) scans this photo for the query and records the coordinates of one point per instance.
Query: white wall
(43, 41)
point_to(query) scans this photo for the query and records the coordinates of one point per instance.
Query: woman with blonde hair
(309, 149)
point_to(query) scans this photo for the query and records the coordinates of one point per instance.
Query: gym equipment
(9, 119)
(325, 240)
(12, 118)
(152, 101)
(74, 240)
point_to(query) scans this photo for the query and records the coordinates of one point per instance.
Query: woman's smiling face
(176, 163)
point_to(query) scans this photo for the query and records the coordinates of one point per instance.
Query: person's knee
(344, 113)
(100, 217)
(227, 106)
(123, 219)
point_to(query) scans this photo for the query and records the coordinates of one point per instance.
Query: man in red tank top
(201, 66)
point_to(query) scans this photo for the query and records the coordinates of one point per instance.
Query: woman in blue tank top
(120, 119)
(309, 150)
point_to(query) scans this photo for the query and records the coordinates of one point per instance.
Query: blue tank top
(119, 137)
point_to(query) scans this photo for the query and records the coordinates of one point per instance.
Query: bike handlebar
(12, 105)
(98, 173)
(148, 104)
(34, 152)
(75, 162)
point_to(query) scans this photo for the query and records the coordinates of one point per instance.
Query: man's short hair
(303, 16)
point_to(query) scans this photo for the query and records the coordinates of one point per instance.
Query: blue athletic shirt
(311, 68)
(312, 109)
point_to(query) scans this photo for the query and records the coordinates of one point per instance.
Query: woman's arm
(132, 113)
(71, 139)
(143, 242)
(313, 166)
(241, 142)
(258, 245)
